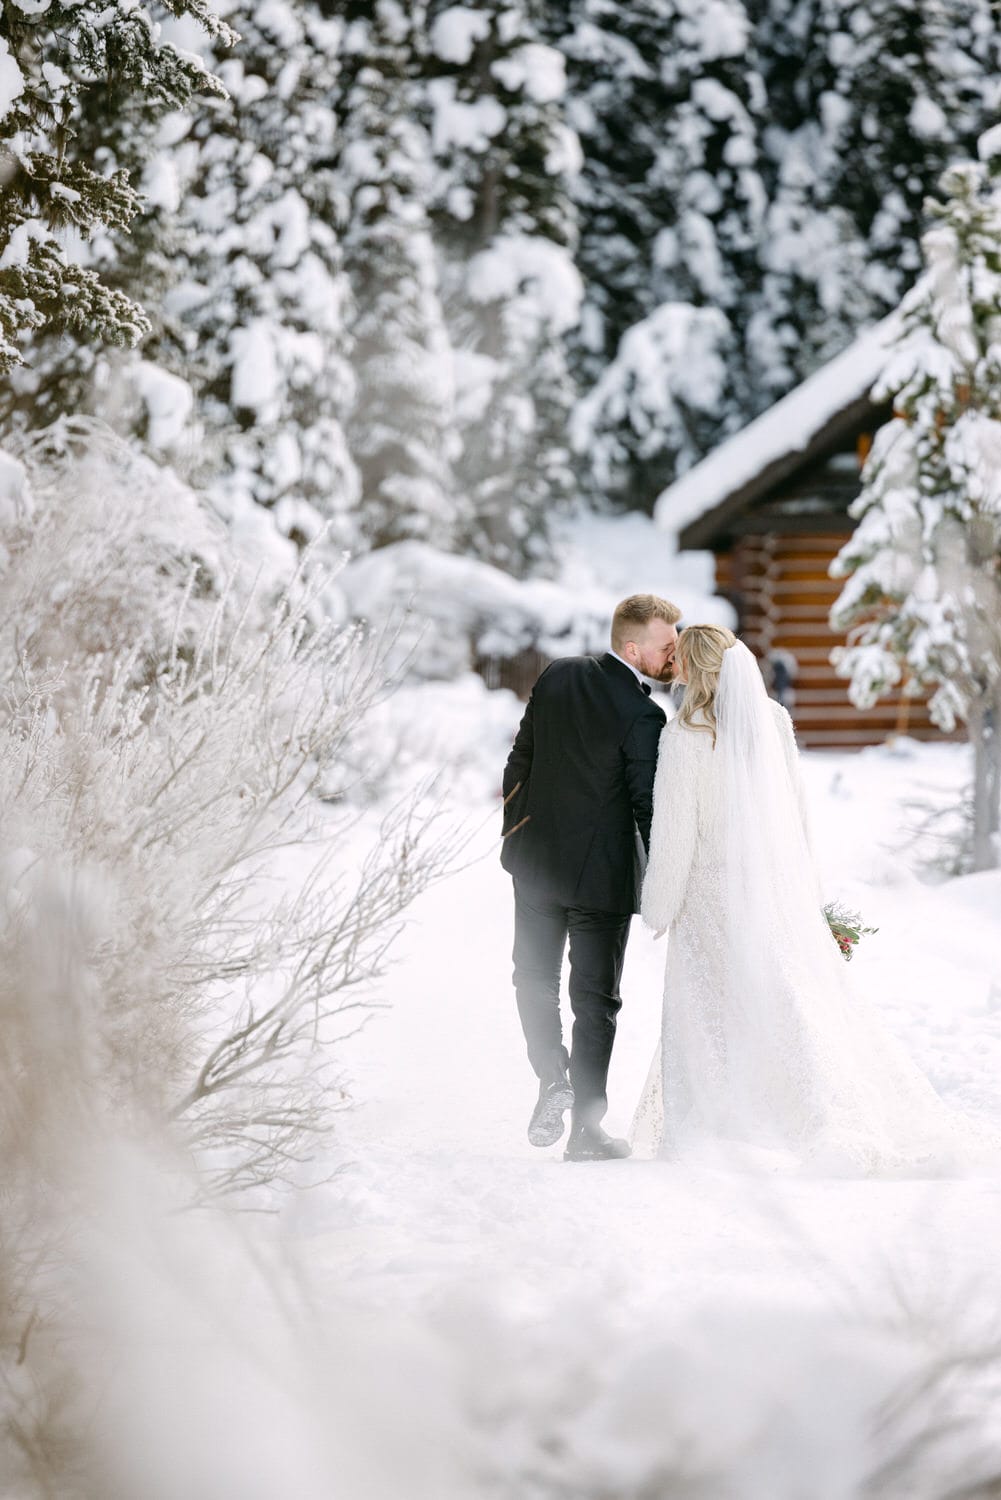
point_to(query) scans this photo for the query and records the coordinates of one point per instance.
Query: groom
(578, 789)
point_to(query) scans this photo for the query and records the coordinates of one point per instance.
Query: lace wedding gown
(768, 1058)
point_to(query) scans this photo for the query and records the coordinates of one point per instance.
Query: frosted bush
(97, 545)
(189, 920)
(146, 1352)
(162, 752)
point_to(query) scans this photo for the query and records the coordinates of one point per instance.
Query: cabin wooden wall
(780, 586)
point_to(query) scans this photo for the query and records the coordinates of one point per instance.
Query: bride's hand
(659, 934)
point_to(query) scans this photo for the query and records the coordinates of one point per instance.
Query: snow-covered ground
(613, 1313)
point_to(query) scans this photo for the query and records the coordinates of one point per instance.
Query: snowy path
(443, 1188)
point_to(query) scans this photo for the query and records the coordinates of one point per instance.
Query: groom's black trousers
(597, 949)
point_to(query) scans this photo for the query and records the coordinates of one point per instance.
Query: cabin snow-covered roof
(755, 459)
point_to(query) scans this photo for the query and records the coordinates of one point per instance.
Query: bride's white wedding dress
(769, 1057)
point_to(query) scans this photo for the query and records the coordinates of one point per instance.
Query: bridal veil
(770, 1054)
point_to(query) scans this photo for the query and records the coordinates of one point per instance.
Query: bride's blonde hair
(700, 651)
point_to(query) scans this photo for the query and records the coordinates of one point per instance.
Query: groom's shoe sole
(618, 1151)
(547, 1125)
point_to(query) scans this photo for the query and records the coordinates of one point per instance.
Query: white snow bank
(457, 607)
(631, 554)
(788, 427)
(980, 895)
(419, 737)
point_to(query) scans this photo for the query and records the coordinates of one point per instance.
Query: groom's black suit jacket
(585, 757)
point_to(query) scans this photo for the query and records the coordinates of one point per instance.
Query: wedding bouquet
(846, 927)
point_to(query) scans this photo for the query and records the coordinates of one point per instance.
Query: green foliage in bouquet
(846, 927)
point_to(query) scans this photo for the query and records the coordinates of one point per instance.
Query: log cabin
(771, 504)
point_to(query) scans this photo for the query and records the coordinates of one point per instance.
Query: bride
(768, 1056)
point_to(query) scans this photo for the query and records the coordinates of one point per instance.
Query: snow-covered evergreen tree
(117, 132)
(869, 102)
(922, 601)
(56, 197)
(744, 178)
(657, 406)
(402, 430)
(505, 228)
(667, 103)
(764, 159)
(256, 320)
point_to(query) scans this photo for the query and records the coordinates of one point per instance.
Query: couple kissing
(769, 1057)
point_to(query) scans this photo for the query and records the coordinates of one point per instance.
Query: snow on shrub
(189, 921)
(159, 751)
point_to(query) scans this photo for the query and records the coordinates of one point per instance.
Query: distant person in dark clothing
(780, 670)
(578, 790)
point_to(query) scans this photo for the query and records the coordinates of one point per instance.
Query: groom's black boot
(588, 1142)
(555, 1098)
